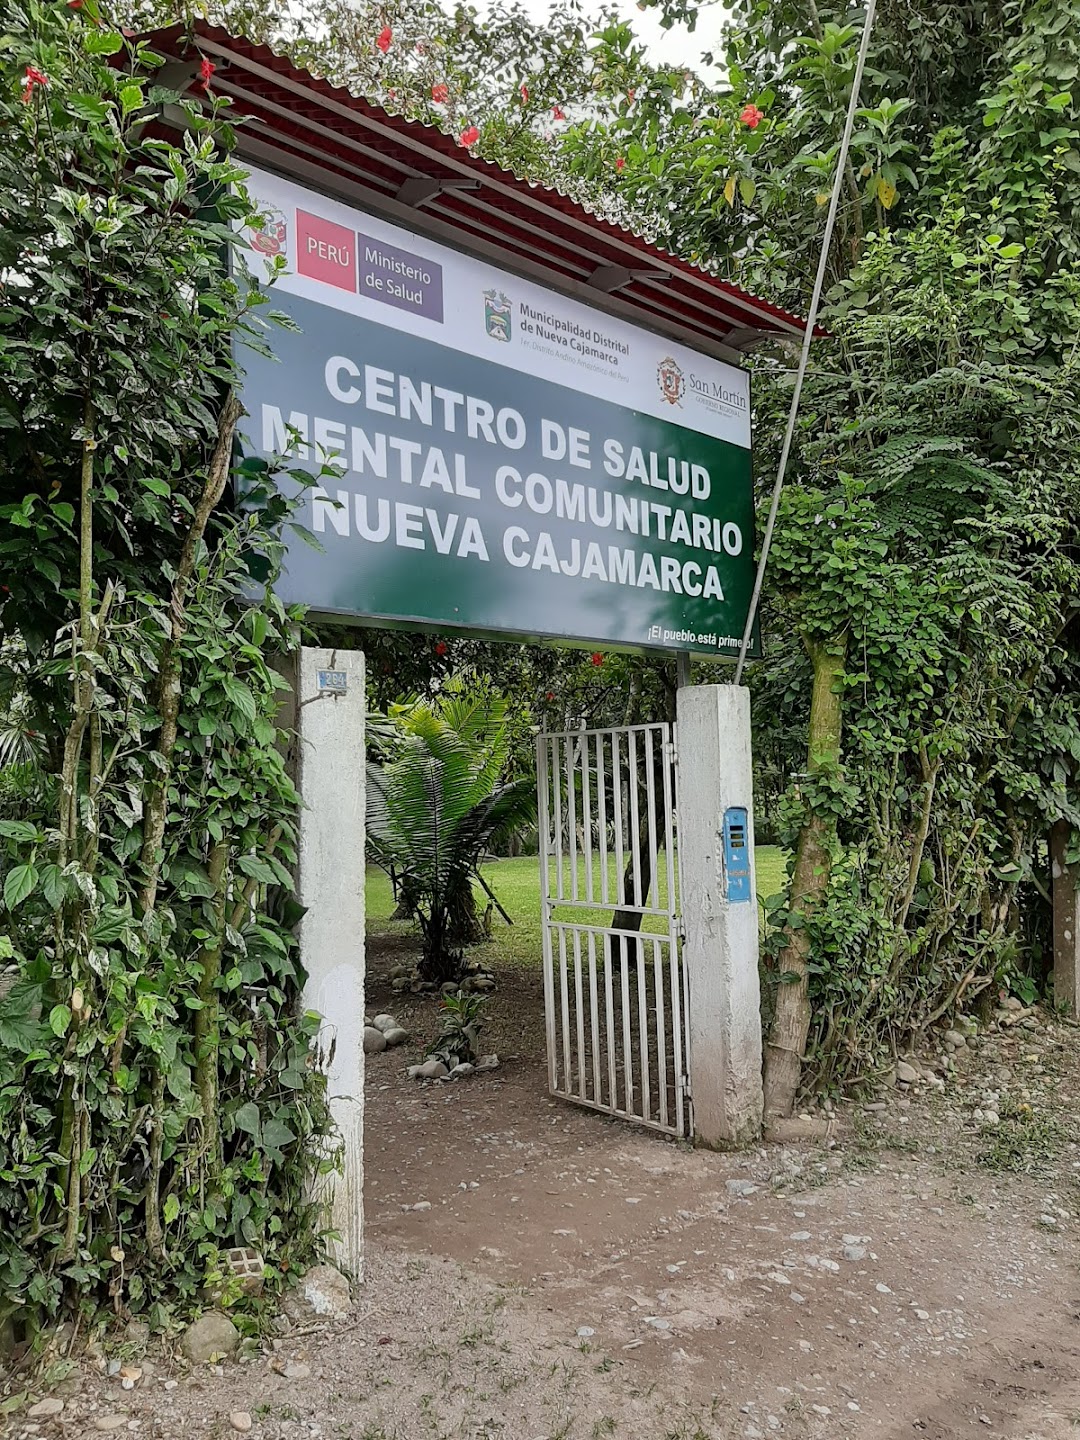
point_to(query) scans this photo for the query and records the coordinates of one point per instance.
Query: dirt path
(539, 1273)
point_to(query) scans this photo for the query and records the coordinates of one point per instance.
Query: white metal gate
(615, 991)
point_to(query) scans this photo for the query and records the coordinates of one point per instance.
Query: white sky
(675, 47)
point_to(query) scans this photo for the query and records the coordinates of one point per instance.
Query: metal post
(808, 335)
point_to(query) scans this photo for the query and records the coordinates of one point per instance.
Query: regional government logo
(497, 315)
(670, 379)
(270, 238)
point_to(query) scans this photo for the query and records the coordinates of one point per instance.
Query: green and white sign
(510, 461)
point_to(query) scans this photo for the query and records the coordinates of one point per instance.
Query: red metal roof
(413, 173)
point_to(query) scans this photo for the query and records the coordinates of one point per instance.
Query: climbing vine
(158, 1097)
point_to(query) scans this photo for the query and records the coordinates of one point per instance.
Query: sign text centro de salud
(509, 461)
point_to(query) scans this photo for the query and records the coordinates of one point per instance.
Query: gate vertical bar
(566, 1064)
(602, 837)
(543, 781)
(594, 1017)
(679, 1034)
(661, 1034)
(579, 1015)
(571, 749)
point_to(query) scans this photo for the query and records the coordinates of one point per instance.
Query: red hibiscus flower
(751, 116)
(31, 81)
(596, 658)
(440, 94)
(620, 163)
(557, 112)
(550, 695)
(469, 136)
(206, 69)
(524, 93)
(385, 37)
(441, 647)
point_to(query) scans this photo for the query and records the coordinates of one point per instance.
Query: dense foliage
(158, 1101)
(921, 625)
(439, 800)
(921, 612)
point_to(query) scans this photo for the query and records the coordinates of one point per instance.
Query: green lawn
(517, 884)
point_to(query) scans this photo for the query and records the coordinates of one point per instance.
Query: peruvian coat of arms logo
(670, 379)
(498, 320)
(271, 238)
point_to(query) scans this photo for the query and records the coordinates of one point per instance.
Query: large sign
(506, 460)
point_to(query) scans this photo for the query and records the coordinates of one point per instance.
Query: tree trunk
(205, 1023)
(464, 923)
(621, 947)
(169, 679)
(809, 884)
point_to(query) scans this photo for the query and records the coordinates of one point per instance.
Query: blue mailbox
(736, 854)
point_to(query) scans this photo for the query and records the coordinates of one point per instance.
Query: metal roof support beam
(610, 278)
(417, 190)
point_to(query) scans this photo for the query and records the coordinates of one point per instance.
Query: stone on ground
(45, 1408)
(326, 1290)
(212, 1334)
(374, 1040)
(240, 1421)
(396, 1036)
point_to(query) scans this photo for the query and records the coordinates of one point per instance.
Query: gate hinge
(684, 1083)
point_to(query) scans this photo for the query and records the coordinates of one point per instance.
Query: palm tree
(436, 804)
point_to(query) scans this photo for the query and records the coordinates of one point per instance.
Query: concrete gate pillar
(720, 912)
(330, 778)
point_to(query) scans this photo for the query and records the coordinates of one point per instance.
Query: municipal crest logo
(498, 320)
(670, 379)
(270, 239)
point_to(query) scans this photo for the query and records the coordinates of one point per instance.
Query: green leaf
(87, 107)
(47, 568)
(171, 1210)
(19, 830)
(54, 885)
(158, 487)
(59, 1020)
(257, 869)
(240, 696)
(20, 1028)
(275, 1134)
(18, 884)
(747, 189)
(102, 42)
(247, 1119)
(1010, 252)
(131, 98)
